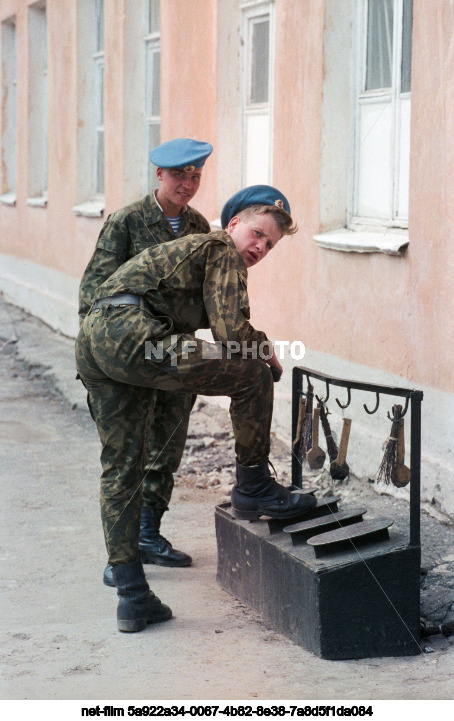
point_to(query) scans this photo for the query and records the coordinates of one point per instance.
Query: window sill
(39, 201)
(390, 242)
(90, 209)
(8, 199)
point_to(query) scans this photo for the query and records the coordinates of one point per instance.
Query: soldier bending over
(139, 335)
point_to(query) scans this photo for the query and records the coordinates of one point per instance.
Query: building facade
(345, 105)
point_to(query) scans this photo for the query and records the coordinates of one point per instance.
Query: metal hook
(325, 400)
(376, 406)
(348, 400)
(310, 387)
(401, 415)
(407, 400)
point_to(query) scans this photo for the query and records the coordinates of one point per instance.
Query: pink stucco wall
(52, 236)
(391, 313)
(115, 16)
(396, 314)
(188, 83)
(61, 251)
(432, 192)
(287, 274)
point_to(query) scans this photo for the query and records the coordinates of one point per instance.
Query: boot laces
(280, 492)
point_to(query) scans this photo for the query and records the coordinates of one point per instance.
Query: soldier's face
(178, 187)
(254, 237)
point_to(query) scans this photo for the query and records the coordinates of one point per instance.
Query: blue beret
(252, 195)
(183, 153)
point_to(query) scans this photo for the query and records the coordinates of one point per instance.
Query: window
(8, 151)
(257, 63)
(37, 108)
(98, 72)
(365, 142)
(153, 90)
(382, 117)
(90, 106)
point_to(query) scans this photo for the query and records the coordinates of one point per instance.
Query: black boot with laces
(153, 547)
(137, 605)
(257, 493)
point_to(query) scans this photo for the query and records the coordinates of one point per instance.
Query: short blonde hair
(284, 221)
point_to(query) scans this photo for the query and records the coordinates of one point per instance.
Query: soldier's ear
(233, 222)
(159, 173)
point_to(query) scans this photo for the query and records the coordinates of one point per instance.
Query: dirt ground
(58, 635)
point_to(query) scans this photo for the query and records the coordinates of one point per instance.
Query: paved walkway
(59, 637)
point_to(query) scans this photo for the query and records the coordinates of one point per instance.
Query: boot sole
(128, 626)
(255, 515)
(145, 558)
(131, 626)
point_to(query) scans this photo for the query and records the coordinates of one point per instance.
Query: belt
(124, 299)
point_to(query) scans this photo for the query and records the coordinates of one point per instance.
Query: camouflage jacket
(199, 281)
(125, 234)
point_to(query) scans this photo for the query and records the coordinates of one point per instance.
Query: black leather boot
(257, 493)
(137, 606)
(153, 547)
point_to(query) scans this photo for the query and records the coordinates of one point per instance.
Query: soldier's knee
(261, 372)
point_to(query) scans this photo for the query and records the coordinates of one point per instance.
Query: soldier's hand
(276, 368)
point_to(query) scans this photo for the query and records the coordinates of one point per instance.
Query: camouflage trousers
(166, 427)
(112, 363)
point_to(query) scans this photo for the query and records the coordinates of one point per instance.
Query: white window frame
(252, 12)
(90, 202)
(98, 70)
(98, 179)
(8, 89)
(37, 114)
(152, 41)
(395, 100)
(339, 229)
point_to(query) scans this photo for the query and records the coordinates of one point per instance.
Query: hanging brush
(315, 455)
(299, 424)
(331, 446)
(388, 467)
(306, 429)
(339, 468)
(401, 476)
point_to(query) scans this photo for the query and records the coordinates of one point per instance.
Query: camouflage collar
(228, 239)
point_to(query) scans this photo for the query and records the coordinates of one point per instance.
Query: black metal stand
(355, 595)
(413, 396)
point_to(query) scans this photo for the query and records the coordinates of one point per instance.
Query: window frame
(251, 12)
(99, 92)
(361, 96)
(90, 202)
(98, 125)
(8, 190)
(37, 128)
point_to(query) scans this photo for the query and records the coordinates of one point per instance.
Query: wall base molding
(48, 294)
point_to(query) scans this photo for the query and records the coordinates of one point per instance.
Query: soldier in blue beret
(253, 195)
(157, 301)
(181, 153)
(161, 216)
